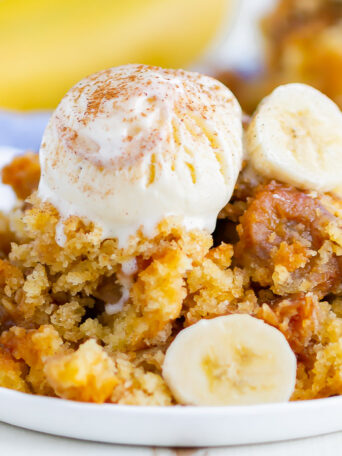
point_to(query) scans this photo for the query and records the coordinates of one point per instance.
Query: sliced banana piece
(295, 136)
(230, 360)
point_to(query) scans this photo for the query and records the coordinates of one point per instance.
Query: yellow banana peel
(46, 46)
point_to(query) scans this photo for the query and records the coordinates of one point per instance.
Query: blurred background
(46, 46)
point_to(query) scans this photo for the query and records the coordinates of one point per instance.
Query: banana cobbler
(154, 257)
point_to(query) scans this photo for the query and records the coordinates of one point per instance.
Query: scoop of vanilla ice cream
(131, 145)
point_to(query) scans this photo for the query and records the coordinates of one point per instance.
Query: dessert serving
(162, 251)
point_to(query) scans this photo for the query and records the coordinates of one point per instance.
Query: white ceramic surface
(171, 426)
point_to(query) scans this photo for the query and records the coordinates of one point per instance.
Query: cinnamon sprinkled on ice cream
(132, 145)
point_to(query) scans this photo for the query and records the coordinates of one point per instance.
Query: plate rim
(177, 409)
(171, 426)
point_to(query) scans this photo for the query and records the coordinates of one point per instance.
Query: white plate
(171, 426)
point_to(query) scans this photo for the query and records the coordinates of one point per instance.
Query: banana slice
(295, 136)
(230, 360)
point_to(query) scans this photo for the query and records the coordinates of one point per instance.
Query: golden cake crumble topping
(284, 269)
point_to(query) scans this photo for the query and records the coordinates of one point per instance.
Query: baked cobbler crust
(277, 259)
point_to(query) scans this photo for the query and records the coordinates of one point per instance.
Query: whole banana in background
(47, 46)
